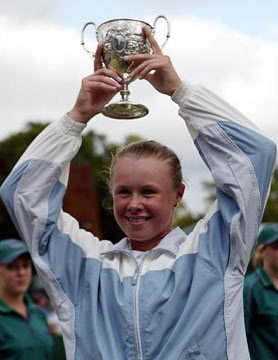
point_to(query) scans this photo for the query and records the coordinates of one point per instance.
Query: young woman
(24, 333)
(157, 294)
(261, 296)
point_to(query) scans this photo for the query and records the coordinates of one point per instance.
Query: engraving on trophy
(123, 37)
(119, 42)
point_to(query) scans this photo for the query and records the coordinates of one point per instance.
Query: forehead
(141, 168)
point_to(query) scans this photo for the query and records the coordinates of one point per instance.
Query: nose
(134, 202)
(21, 270)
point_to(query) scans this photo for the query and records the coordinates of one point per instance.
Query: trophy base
(125, 110)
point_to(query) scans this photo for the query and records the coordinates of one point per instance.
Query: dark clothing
(261, 316)
(24, 338)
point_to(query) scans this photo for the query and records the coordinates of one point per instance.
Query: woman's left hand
(155, 68)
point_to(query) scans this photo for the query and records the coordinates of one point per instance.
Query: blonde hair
(150, 148)
(257, 259)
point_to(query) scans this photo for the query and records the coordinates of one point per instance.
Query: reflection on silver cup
(123, 37)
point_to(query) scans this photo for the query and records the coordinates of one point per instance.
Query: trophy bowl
(123, 37)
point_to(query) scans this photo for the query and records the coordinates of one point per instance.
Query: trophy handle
(91, 54)
(168, 29)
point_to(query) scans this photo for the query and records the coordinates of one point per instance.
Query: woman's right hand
(96, 91)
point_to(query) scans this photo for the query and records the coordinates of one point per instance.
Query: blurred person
(24, 333)
(261, 297)
(40, 297)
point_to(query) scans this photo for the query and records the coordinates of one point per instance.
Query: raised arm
(241, 161)
(33, 192)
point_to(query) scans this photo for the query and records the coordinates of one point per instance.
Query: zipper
(136, 278)
(136, 284)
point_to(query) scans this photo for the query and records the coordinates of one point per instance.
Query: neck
(147, 244)
(13, 300)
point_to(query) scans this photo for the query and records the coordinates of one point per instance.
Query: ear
(180, 192)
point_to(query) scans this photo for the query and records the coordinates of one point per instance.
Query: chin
(137, 237)
(142, 237)
(134, 238)
(22, 289)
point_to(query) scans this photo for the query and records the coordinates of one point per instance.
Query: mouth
(21, 283)
(137, 220)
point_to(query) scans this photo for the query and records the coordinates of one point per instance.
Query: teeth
(137, 219)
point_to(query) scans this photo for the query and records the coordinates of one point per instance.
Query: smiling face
(144, 198)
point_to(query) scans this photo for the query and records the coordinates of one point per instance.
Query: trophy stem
(124, 109)
(125, 92)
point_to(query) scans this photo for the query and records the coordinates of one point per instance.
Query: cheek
(10, 275)
(9, 279)
(118, 206)
(275, 255)
(29, 273)
(29, 280)
(269, 256)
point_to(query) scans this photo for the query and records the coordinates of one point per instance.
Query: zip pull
(135, 276)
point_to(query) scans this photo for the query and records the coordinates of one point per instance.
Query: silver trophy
(123, 37)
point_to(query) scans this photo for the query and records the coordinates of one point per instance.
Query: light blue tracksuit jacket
(184, 301)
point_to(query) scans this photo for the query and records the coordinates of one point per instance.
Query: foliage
(14, 145)
(184, 219)
(94, 151)
(11, 149)
(271, 209)
(210, 190)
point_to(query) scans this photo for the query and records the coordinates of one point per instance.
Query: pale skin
(15, 279)
(144, 201)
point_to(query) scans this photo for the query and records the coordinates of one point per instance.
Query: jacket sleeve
(241, 161)
(33, 194)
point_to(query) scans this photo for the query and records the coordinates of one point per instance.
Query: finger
(104, 80)
(100, 83)
(140, 57)
(153, 42)
(148, 70)
(106, 87)
(131, 66)
(108, 73)
(145, 67)
(98, 62)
